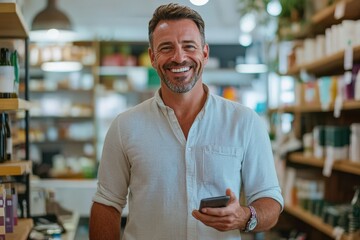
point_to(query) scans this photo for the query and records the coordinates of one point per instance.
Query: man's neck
(186, 105)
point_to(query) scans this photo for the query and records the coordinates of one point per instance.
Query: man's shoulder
(223, 102)
(138, 110)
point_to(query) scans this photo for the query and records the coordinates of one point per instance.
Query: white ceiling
(128, 19)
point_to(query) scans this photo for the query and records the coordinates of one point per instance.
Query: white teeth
(184, 69)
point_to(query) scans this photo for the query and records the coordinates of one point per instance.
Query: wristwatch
(251, 224)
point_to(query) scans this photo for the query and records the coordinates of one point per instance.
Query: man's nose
(179, 55)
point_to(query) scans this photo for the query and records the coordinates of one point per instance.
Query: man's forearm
(105, 223)
(267, 211)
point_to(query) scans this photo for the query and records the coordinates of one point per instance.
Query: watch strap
(251, 220)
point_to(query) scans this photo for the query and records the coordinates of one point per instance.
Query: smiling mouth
(180, 70)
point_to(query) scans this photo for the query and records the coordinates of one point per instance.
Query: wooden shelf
(348, 105)
(15, 168)
(8, 104)
(325, 66)
(341, 165)
(22, 230)
(12, 24)
(326, 17)
(314, 221)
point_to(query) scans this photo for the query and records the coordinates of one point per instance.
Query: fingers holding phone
(214, 202)
(221, 212)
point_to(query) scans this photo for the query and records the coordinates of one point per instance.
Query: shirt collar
(165, 108)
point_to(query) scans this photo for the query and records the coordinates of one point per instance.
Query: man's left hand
(231, 217)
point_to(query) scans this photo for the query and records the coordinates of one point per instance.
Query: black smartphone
(214, 202)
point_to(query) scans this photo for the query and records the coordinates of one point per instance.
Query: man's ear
(206, 52)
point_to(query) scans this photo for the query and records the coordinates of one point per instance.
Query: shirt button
(189, 149)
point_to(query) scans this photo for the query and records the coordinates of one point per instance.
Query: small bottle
(3, 156)
(6, 74)
(9, 145)
(354, 217)
(15, 63)
(357, 87)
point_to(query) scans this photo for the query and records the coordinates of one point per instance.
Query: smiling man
(166, 154)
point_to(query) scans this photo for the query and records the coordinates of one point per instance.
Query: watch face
(252, 224)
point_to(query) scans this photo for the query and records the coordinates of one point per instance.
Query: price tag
(348, 57)
(338, 232)
(339, 98)
(348, 77)
(340, 10)
(329, 162)
(338, 106)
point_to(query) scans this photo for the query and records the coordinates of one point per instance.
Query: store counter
(72, 195)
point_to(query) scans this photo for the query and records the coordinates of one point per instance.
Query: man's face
(177, 54)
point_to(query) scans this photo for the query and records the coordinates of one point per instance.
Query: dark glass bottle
(3, 156)
(3, 56)
(14, 58)
(354, 217)
(9, 144)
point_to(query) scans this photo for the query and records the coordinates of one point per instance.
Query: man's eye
(165, 49)
(190, 47)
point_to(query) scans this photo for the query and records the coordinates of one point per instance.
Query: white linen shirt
(147, 158)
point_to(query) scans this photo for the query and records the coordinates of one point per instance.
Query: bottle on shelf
(3, 143)
(14, 57)
(8, 137)
(354, 217)
(6, 74)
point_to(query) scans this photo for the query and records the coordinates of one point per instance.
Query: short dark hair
(173, 11)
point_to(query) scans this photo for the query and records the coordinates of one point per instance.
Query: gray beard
(180, 88)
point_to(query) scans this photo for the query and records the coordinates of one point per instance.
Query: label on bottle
(7, 79)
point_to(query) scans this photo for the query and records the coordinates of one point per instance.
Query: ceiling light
(61, 66)
(251, 68)
(248, 22)
(51, 24)
(245, 39)
(274, 8)
(51, 17)
(199, 2)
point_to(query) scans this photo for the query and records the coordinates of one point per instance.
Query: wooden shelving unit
(315, 221)
(338, 188)
(14, 104)
(15, 168)
(22, 230)
(12, 24)
(326, 16)
(341, 165)
(348, 105)
(326, 65)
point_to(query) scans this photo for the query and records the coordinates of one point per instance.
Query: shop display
(14, 229)
(324, 118)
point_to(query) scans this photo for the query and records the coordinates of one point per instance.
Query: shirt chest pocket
(221, 164)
